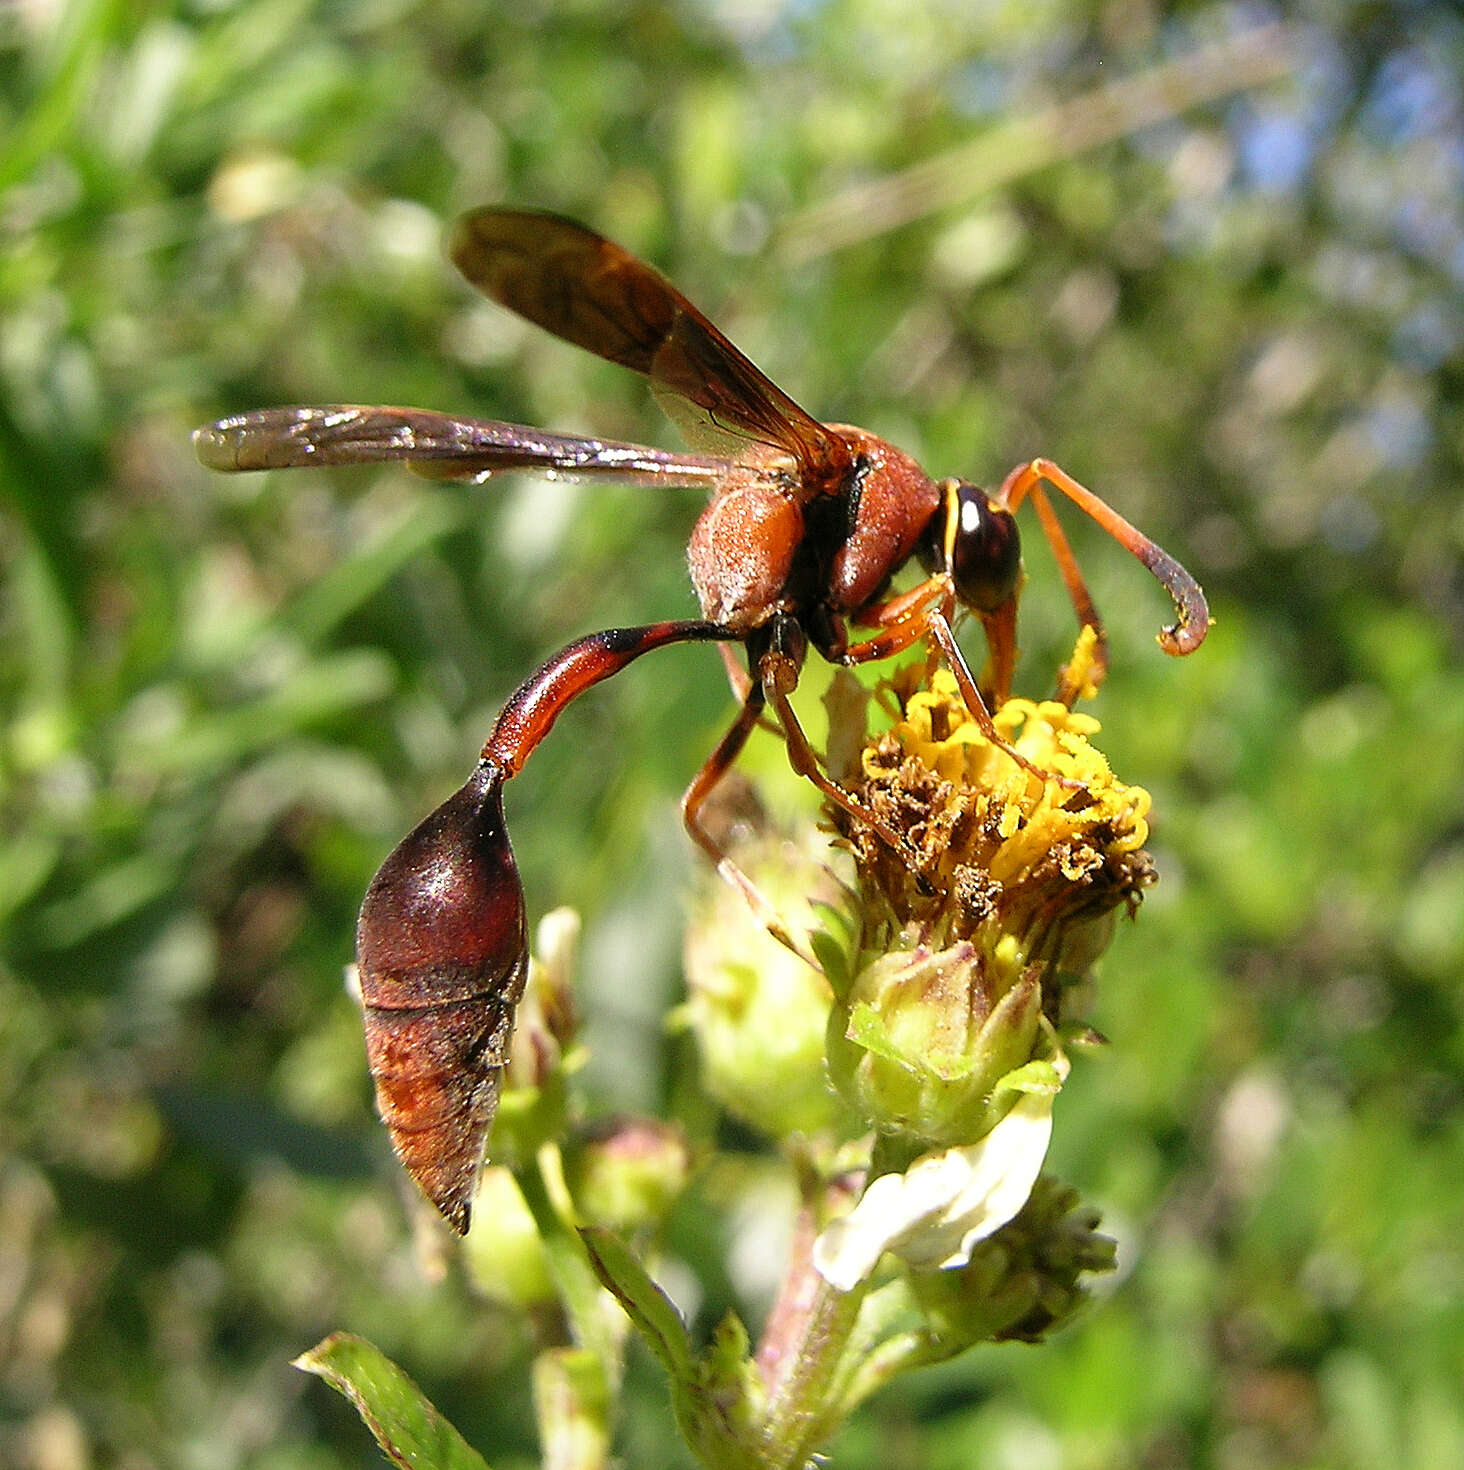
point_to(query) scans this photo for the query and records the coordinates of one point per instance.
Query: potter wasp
(805, 525)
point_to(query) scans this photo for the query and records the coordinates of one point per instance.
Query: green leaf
(343, 588)
(867, 1028)
(833, 945)
(317, 692)
(717, 1397)
(650, 1310)
(411, 1432)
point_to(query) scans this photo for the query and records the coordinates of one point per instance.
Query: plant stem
(802, 1351)
(798, 1406)
(578, 1287)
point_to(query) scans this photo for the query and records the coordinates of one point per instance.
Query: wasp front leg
(927, 618)
(1192, 619)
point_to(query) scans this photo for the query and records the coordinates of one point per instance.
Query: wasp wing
(587, 290)
(438, 446)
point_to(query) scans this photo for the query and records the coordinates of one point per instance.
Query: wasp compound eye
(442, 950)
(985, 549)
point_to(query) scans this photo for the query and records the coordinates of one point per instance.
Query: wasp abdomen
(442, 950)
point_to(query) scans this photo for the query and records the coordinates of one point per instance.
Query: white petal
(933, 1214)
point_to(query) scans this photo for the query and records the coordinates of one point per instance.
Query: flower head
(1032, 854)
(1022, 866)
(946, 1032)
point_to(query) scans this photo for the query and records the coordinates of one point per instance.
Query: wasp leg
(778, 665)
(749, 717)
(934, 591)
(1069, 689)
(1192, 615)
(932, 621)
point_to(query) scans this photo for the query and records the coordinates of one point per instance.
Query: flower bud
(923, 1037)
(1022, 1282)
(757, 1010)
(533, 1107)
(548, 1019)
(624, 1173)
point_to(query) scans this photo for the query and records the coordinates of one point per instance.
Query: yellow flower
(1020, 847)
(1026, 847)
(1017, 858)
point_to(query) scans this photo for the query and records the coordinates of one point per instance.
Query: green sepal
(652, 1313)
(835, 945)
(1038, 1076)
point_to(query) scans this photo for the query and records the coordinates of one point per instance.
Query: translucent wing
(436, 445)
(589, 291)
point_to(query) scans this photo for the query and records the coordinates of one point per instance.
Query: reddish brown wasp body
(806, 525)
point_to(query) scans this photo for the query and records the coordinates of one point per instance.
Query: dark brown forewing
(436, 445)
(584, 288)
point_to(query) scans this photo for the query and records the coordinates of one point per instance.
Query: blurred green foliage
(223, 699)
